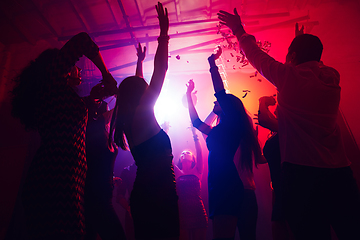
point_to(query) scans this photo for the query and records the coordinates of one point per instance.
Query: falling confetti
(255, 74)
(232, 44)
(178, 57)
(246, 92)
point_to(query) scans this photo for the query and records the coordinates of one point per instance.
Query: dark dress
(100, 216)
(153, 200)
(191, 208)
(225, 186)
(53, 192)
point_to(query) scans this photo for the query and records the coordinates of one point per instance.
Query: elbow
(82, 35)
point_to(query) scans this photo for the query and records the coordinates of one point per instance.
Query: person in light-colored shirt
(319, 188)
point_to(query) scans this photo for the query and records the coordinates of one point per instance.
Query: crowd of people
(68, 190)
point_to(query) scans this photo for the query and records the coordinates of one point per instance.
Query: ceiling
(118, 25)
(33, 20)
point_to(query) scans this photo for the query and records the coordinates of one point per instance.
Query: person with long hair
(100, 216)
(124, 183)
(43, 100)
(188, 172)
(153, 200)
(247, 220)
(234, 130)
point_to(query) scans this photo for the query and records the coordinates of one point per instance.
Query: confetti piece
(178, 57)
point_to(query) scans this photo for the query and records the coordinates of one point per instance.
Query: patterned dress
(54, 188)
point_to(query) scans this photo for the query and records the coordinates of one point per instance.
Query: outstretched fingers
(160, 10)
(163, 18)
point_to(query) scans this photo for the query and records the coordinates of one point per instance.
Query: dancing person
(100, 216)
(188, 172)
(53, 194)
(124, 184)
(319, 189)
(233, 130)
(153, 200)
(247, 220)
(271, 151)
(123, 187)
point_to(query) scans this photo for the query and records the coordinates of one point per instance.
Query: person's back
(319, 190)
(309, 97)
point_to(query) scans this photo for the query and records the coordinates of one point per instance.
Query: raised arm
(79, 45)
(160, 60)
(215, 75)
(298, 31)
(265, 118)
(141, 56)
(199, 156)
(195, 120)
(261, 61)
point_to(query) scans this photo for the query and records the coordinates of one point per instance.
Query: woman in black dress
(233, 131)
(153, 200)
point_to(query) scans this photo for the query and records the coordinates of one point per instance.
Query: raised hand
(140, 53)
(218, 53)
(190, 86)
(298, 31)
(215, 56)
(267, 100)
(110, 84)
(233, 21)
(163, 19)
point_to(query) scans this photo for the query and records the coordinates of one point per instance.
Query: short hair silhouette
(307, 48)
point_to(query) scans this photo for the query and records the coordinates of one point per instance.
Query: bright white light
(167, 105)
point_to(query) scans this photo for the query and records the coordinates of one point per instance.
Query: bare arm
(215, 75)
(160, 60)
(268, 67)
(202, 127)
(265, 117)
(141, 56)
(199, 157)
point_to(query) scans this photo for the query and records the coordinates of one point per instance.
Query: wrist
(163, 34)
(239, 30)
(211, 61)
(163, 38)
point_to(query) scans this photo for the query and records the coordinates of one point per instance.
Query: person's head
(304, 48)
(74, 77)
(187, 160)
(130, 92)
(249, 146)
(30, 88)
